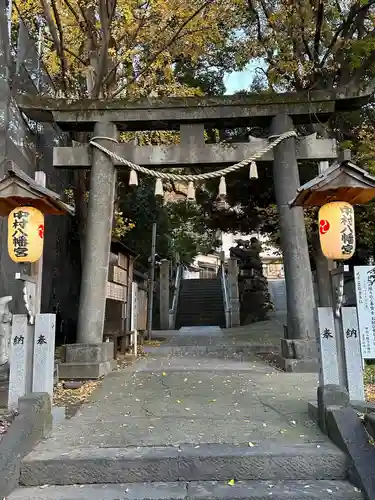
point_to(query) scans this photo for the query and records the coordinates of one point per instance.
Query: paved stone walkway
(204, 385)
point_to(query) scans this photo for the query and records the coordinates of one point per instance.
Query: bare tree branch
(345, 26)
(318, 30)
(57, 36)
(256, 15)
(131, 43)
(70, 52)
(266, 10)
(73, 11)
(359, 75)
(103, 56)
(90, 26)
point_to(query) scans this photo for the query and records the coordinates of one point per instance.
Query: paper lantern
(336, 230)
(25, 234)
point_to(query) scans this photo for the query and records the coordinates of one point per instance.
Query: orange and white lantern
(337, 230)
(25, 234)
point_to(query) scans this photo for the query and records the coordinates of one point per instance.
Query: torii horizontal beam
(207, 155)
(168, 113)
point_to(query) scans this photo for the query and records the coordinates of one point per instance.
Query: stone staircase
(191, 426)
(200, 303)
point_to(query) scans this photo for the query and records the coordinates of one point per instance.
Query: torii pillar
(97, 239)
(299, 348)
(91, 358)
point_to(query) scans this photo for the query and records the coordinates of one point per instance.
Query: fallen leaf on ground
(69, 397)
(370, 392)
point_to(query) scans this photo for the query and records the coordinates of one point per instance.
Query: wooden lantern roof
(18, 189)
(343, 181)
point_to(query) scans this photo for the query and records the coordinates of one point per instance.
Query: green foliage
(190, 234)
(141, 206)
(181, 226)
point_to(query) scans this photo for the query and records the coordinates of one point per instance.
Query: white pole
(10, 8)
(40, 48)
(151, 283)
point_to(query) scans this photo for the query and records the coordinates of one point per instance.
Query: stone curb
(370, 424)
(210, 490)
(33, 423)
(269, 461)
(363, 406)
(347, 431)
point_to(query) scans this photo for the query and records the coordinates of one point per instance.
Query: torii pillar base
(87, 361)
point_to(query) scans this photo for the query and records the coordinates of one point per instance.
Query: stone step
(214, 290)
(201, 300)
(196, 322)
(212, 286)
(206, 462)
(198, 282)
(198, 308)
(193, 305)
(198, 293)
(200, 311)
(203, 317)
(210, 490)
(210, 350)
(200, 321)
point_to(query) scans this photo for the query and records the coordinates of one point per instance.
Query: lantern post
(335, 191)
(25, 201)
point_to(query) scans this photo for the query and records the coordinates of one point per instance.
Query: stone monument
(255, 300)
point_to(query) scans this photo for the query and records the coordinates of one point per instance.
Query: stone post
(301, 331)
(164, 294)
(323, 266)
(233, 292)
(98, 240)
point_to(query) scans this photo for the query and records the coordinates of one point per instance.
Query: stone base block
(86, 371)
(298, 349)
(313, 411)
(58, 415)
(307, 365)
(88, 353)
(330, 395)
(4, 372)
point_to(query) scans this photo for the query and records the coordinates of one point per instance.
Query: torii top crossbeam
(169, 113)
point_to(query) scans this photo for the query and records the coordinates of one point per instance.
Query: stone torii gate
(191, 115)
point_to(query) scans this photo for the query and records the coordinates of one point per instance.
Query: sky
(241, 80)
